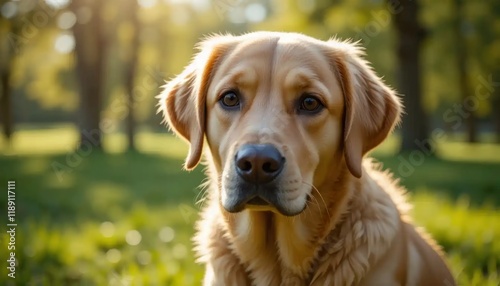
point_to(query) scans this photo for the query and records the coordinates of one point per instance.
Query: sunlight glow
(114, 255)
(146, 3)
(57, 4)
(166, 234)
(255, 12)
(133, 237)
(66, 20)
(107, 229)
(65, 43)
(8, 10)
(200, 5)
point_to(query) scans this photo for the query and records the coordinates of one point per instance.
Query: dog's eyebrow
(301, 78)
(240, 77)
(305, 78)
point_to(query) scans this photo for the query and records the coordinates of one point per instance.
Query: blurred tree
(7, 55)
(483, 33)
(9, 30)
(130, 68)
(90, 50)
(15, 30)
(496, 104)
(461, 59)
(410, 36)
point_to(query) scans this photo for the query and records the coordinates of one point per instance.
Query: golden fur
(353, 230)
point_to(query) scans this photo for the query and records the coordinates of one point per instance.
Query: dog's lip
(258, 201)
(256, 198)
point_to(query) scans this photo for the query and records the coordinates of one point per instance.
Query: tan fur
(354, 229)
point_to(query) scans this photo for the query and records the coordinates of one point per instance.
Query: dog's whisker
(202, 194)
(321, 196)
(308, 208)
(316, 202)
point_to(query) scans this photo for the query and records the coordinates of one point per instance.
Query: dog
(286, 121)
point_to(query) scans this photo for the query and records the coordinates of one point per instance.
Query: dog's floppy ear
(183, 98)
(371, 107)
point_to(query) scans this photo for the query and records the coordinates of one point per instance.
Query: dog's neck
(271, 243)
(272, 246)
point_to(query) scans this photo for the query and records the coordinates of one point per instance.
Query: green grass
(117, 218)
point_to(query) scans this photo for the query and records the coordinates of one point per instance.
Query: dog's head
(281, 113)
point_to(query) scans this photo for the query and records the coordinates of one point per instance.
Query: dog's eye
(230, 99)
(310, 104)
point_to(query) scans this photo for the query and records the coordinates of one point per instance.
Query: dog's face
(274, 115)
(281, 114)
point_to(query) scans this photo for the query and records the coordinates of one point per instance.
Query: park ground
(125, 218)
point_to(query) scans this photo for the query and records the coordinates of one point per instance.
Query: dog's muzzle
(257, 167)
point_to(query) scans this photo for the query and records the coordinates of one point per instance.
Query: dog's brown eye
(230, 99)
(310, 104)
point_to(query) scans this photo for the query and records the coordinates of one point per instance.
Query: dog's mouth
(258, 201)
(238, 199)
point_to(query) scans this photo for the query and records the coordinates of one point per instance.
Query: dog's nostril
(245, 166)
(270, 167)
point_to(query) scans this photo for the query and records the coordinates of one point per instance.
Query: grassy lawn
(90, 218)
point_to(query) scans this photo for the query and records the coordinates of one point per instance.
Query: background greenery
(82, 228)
(119, 215)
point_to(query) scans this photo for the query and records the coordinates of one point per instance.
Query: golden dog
(287, 120)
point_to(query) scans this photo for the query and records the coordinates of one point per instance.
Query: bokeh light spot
(113, 255)
(166, 234)
(255, 12)
(147, 3)
(9, 10)
(107, 229)
(57, 4)
(133, 237)
(66, 20)
(65, 43)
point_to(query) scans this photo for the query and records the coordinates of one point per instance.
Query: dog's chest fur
(305, 250)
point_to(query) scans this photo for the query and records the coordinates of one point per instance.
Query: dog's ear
(371, 107)
(183, 98)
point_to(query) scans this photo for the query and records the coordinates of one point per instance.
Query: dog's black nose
(258, 163)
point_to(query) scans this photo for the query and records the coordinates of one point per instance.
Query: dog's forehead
(275, 53)
(274, 46)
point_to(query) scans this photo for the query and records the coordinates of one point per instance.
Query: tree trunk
(497, 121)
(6, 111)
(90, 47)
(470, 119)
(6, 105)
(130, 71)
(496, 108)
(411, 35)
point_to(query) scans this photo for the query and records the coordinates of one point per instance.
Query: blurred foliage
(43, 63)
(127, 218)
(110, 219)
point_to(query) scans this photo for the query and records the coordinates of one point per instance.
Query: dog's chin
(234, 204)
(280, 211)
